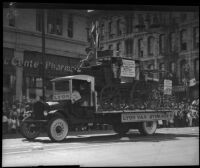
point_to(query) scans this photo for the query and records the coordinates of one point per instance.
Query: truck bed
(131, 111)
(139, 115)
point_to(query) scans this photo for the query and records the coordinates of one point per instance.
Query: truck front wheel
(120, 129)
(57, 129)
(148, 127)
(28, 129)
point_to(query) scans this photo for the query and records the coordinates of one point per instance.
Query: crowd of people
(13, 114)
(185, 114)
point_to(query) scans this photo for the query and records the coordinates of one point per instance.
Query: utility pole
(43, 54)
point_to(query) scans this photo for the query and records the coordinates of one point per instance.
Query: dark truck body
(112, 99)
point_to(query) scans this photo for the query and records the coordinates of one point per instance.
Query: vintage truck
(85, 98)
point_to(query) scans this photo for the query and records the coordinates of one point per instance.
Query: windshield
(61, 90)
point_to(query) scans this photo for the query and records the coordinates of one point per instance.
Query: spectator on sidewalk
(13, 125)
(5, 124)
(176, 115)
(189, 117)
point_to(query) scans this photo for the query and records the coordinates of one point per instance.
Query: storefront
(9, 75)
(54, 66)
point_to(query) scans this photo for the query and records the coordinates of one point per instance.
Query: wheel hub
(58, 129)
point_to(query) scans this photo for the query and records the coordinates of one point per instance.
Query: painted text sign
(134, 117)
(128, 68)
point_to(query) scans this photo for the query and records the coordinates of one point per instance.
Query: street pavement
(169, 146)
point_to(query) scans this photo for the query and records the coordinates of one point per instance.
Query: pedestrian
(5, 124)
(176, 110)
(13, 125)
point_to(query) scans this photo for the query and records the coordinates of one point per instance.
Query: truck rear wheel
(120, 129)
(148, 127)
(57, 129)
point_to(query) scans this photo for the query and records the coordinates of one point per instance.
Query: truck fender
(59, 113)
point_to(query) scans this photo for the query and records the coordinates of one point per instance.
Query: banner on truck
(134, 117)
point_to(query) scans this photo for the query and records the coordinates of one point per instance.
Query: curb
(71, 133)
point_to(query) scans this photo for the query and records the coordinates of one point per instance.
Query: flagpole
(43, 54)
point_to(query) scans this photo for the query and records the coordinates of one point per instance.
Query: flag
(95, 32)
(192, 82)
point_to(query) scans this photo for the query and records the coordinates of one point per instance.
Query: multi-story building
(65, 42)
(160, 40)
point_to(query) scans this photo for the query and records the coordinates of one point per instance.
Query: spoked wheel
(148, 127)
(121, 129)
(110, 97)
(57, 129)
(29, 130)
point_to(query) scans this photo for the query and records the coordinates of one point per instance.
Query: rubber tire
(144, 130)
(52, 132)
(23, 130)
(120, 129)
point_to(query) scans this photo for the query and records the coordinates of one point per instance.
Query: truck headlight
(45, 113)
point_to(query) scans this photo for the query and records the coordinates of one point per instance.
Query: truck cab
(73, 102)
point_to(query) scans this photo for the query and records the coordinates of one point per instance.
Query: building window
(101, 48)
(129, 47)
(140, 48)
(183, 17)
(9, 81)
(38, 82)
(161, 43)
(162, 68)
(39, 20)
(6, 80)
(110, 47)
(118, 49)
(48, 84)
(151, 41)
(196, 37)
(196, 69)
(129, 24)
(102, 31)
(172, 43)
(140, 22)
(119, 32)
(183, 40)
(88, 35)
(151, 67)
(195, 15)
(11, 21)
(148, 18)
(172, 67)
(183, 71)
(54, 22)
(110, 33)
(70, 26)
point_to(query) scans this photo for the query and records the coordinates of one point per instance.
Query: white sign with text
(131, 117)
(128, 68)
(167, 87)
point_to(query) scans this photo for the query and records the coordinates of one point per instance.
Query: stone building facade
(65, 42)
(160, 40)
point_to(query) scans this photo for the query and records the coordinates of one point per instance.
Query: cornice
(47, 36)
